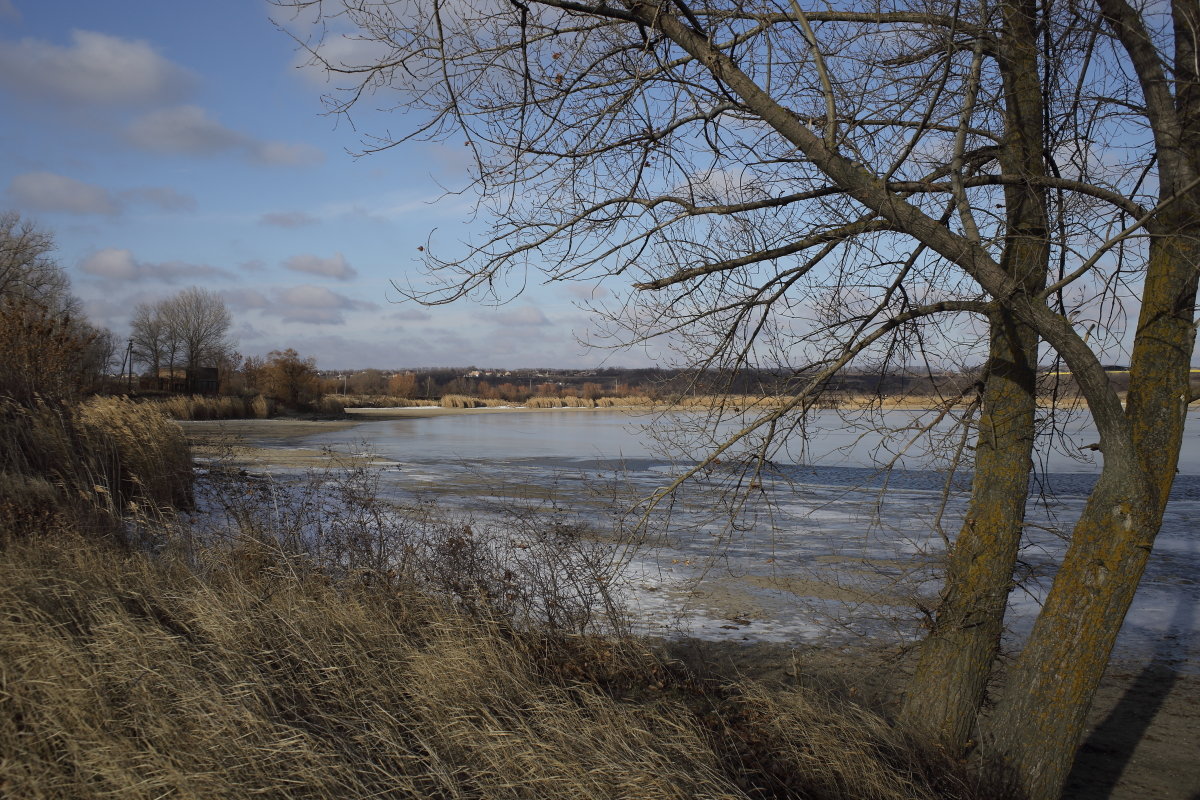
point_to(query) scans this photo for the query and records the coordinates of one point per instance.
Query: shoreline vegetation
(206, 407)
(146, 654)
(170, 632)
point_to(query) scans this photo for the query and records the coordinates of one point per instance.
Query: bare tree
(48, 349)
(819, 188)
(27, 268)
(148, 331)
(200, 321)
(190, 329)
(368, 381)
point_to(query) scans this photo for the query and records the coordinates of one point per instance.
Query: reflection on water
(827, 542)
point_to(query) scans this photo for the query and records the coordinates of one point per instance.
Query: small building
(201, 380)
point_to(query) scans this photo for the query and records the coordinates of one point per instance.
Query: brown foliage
(43, 351)
(289, 379)
(402, 384)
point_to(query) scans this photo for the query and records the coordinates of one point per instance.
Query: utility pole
(127, 366)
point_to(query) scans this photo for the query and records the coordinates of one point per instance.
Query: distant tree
(201, 324)
(148, 331)
(402, 384)
(369, 381)
(513, 393)
(591, 390)
(547, 390)
(97, 357)
(47, 349)
(289, 379)
(190, 330)
(252, 374)
(231, 378)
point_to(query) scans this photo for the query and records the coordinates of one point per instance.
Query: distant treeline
(520, 385)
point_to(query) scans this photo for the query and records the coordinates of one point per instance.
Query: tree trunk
(1040, 718)
(942, 700)
(945, 694)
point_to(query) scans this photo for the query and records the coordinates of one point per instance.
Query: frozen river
(830, 546)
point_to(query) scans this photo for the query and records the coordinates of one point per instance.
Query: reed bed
(462, 401)
(88, 466)
(140, 448)
(230, 672)
(337, 403)
(199, 407)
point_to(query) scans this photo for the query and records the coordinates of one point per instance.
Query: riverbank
(1143, 725)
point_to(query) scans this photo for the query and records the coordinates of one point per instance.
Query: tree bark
(1041, 714)
(1040, 718)
(949, 684)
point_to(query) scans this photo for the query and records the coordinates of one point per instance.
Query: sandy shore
(1144, 727)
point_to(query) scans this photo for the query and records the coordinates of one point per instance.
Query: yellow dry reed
(231, 673)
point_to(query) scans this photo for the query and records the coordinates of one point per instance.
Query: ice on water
(835, 547)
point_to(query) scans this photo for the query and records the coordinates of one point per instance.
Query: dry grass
(141, 448)
(237, 672)
(205, 407)
(189, 407)
(262, 407)
(337, 403)
(88, 466)
(317, 643)
(462, 401)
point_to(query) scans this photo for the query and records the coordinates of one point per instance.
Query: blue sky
(169, 144)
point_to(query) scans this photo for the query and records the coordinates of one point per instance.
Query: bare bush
(526, 569)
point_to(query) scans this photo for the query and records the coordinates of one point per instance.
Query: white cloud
(525, 315)
(288, 219)
(184, 130)
(335, 267)
(189, 130)
(285, 154)
(95, 68)
(315, 304)
(164, 197)
(111, 263)
(46, 191)
(309, 296)
(118, 264)
(9, 11)
(244, 298)
(411, 313)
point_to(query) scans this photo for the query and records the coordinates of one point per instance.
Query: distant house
(201, 380)
(204, 380)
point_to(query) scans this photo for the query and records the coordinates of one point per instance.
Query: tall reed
(237, 671)
(88, 466)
